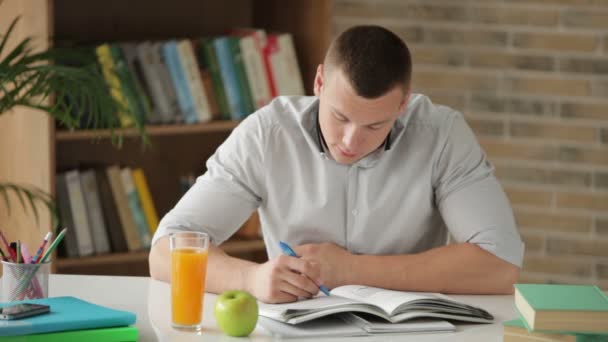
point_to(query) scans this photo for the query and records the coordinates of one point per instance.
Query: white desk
(150, 300)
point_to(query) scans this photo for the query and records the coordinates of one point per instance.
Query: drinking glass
(189, 252)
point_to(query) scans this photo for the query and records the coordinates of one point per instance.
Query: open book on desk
(392, 306)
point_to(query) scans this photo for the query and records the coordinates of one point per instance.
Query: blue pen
(287, 250)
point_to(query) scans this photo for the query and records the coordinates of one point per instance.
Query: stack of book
(196, 80)
(106, 209)
(70, 319)
(577, 313)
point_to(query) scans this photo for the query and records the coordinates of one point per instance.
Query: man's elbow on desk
(503, 274)
(159, 260)
(507, 276)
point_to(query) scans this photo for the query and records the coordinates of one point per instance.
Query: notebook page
(386, 299)
(319, 303)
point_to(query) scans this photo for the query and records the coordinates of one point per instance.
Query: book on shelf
(214, 109)
(69, 245)
(127, 221)
(241, 75)
(208, 60)
(253, 41)
(135, 207)
(228, 71)
(118, 241)
(141, 91)
(135, 101)
(391, 306)
(151, 79)
(516, 331)
(193, 79)
(180, 82)
(251, 50)
(284, 64)
(94, 211)
(159, 82)
(553, 307)
(79, 213)
(145, 197)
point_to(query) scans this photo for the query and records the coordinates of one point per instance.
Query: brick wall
(531, 77)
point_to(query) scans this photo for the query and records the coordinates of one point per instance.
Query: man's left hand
(336, 262)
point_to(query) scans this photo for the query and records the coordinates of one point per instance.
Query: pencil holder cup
(24, 281)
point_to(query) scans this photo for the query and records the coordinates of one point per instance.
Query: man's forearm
(223, 271)
(457, 268)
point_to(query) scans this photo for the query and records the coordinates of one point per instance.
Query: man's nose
(351, 138)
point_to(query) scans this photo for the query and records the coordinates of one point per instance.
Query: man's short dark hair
(374, 59)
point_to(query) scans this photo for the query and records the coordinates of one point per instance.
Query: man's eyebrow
(371, 124)
(379, 122)
(337, 111)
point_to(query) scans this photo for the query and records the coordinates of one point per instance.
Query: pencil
(53, 246)
(18, 248)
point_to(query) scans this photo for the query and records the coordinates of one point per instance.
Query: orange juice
(188, 271)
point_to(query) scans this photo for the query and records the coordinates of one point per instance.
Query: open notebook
(392, 306)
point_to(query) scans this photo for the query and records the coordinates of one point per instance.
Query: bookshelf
(152, 131)
(136, 263)
(33, 150)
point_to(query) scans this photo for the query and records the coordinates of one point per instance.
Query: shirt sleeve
(226, 195)
(472, 203)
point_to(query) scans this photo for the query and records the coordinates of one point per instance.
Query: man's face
(354, 126)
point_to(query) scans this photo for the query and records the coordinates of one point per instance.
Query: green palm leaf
(65, 83)
(28, 196)
(30, 79)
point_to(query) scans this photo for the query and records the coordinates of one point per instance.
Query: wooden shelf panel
(243, 246)
(102, 259)
(230, 247)
(152, 130)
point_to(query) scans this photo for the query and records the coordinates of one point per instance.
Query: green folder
(120, 334)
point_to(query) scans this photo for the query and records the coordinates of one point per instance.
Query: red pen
(11, 252)
(3, 255)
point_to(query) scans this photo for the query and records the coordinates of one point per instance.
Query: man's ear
(405, 100)
(318, 81)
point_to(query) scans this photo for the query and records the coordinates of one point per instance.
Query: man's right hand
(283, 279)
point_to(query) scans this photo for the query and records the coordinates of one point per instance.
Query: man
(364, 179)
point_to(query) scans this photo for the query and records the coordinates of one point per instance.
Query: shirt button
(354, 212)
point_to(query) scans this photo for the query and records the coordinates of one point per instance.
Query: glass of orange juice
(188, 271)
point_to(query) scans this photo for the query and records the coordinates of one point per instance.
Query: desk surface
(150, 300)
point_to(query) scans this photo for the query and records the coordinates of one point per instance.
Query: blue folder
(67, 313)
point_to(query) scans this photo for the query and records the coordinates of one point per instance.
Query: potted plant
(75, 96)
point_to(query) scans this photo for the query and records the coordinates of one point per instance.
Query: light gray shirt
(430, 177)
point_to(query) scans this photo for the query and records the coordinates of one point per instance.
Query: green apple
(236, 312)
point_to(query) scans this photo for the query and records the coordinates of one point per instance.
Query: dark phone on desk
(23, 310)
